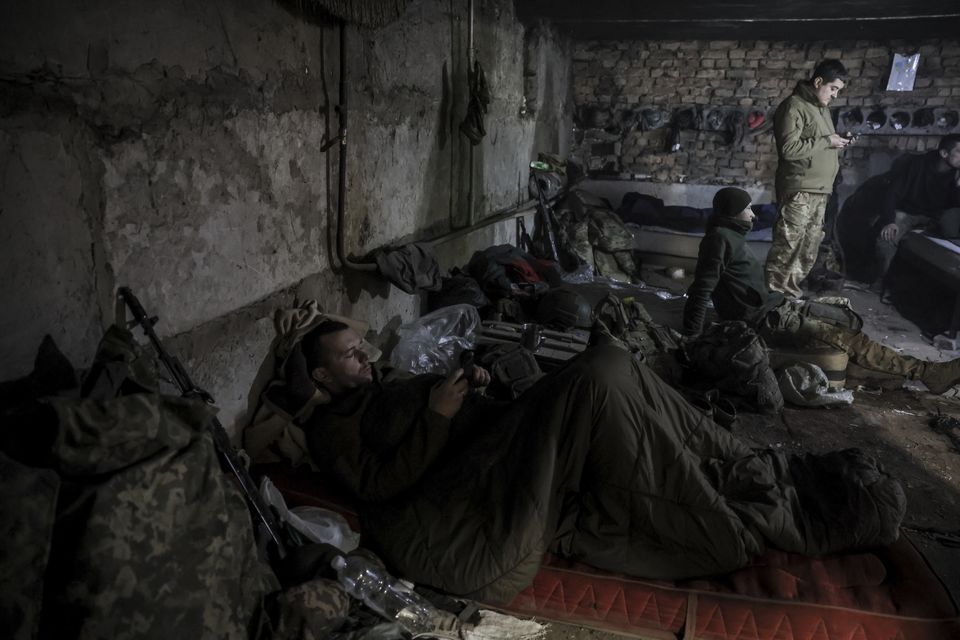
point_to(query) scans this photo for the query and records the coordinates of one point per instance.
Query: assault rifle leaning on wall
(278, 542)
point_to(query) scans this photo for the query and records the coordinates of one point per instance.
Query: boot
(940, 376)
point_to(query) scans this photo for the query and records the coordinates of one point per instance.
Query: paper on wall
(903, 71)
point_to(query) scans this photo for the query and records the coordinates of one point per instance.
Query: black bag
(458, 288)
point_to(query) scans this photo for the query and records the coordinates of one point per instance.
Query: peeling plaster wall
(175, 148)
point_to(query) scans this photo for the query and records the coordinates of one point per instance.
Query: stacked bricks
(626, 77)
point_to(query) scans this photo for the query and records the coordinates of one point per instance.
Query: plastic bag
(432, 344)
(805, 385)
(903, 71)
(316, 524)
(582, 274)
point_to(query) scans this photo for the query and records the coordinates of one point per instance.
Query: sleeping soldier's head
(336, 358)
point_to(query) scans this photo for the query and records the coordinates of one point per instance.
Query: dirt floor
(891, 421)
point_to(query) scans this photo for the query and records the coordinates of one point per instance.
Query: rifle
(278, 546)
(545, 217)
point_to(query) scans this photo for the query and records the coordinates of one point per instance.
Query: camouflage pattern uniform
(311, 611)
(28, 499)
(797, 234)
(801, 324)
(125, 525)
(806, 169)
(598, 237)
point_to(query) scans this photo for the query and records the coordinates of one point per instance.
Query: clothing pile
(595, 236)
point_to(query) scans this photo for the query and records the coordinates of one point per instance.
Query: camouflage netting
(116, 520)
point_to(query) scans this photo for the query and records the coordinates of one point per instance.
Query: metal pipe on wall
(498, 216)
(470, 60)
(345, 261)
(342, 110)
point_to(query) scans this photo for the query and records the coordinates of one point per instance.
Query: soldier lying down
(600, 462)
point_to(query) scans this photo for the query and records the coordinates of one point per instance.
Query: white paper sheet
(903, 71)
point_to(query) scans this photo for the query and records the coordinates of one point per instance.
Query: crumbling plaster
(176, 148)
(46, 244)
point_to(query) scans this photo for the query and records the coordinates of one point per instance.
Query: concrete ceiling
(749, 19)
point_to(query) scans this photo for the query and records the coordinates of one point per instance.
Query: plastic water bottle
(369, 581)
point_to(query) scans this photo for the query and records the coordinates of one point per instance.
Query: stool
(832, 361)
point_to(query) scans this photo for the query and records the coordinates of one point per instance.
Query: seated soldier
(919, 191)
(729, 274)
(599, 461)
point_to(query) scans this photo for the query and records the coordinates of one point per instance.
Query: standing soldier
(808, 162)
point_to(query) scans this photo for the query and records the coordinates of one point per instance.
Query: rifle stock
(221, 440)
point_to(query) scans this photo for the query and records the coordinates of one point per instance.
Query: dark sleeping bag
(601, 462)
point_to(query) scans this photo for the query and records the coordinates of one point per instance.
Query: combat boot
(940, 376)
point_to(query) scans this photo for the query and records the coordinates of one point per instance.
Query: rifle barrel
(221, 439)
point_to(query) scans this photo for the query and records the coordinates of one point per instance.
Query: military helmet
(922, 117)
(899, 120)
(565, 309)
(947, 119)
(876, 119)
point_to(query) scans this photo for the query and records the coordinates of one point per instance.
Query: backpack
(732, 357)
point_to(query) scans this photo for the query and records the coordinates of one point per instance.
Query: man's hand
(889, 232)
(481, 377)
(446, 397)
(838, 142)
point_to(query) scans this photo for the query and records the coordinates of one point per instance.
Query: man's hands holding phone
(447, 396)
(474, 375)
(838, 141)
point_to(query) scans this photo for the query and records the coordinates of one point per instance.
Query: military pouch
(513, 370)
(836, 315)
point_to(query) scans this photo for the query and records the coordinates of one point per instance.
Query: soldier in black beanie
(729, 202)
(729, 274)
(726, 269)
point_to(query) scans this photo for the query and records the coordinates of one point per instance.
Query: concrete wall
(615, 81)
(175, 148)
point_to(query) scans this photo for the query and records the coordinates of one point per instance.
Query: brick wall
(615, 82)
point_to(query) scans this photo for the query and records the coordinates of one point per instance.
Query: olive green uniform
(806, 169)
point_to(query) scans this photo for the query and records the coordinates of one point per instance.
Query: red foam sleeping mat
(884, 594)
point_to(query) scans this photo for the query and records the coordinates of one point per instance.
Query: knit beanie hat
(730, 201)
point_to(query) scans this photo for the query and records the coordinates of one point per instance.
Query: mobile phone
(466, 363)
(849, 135)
